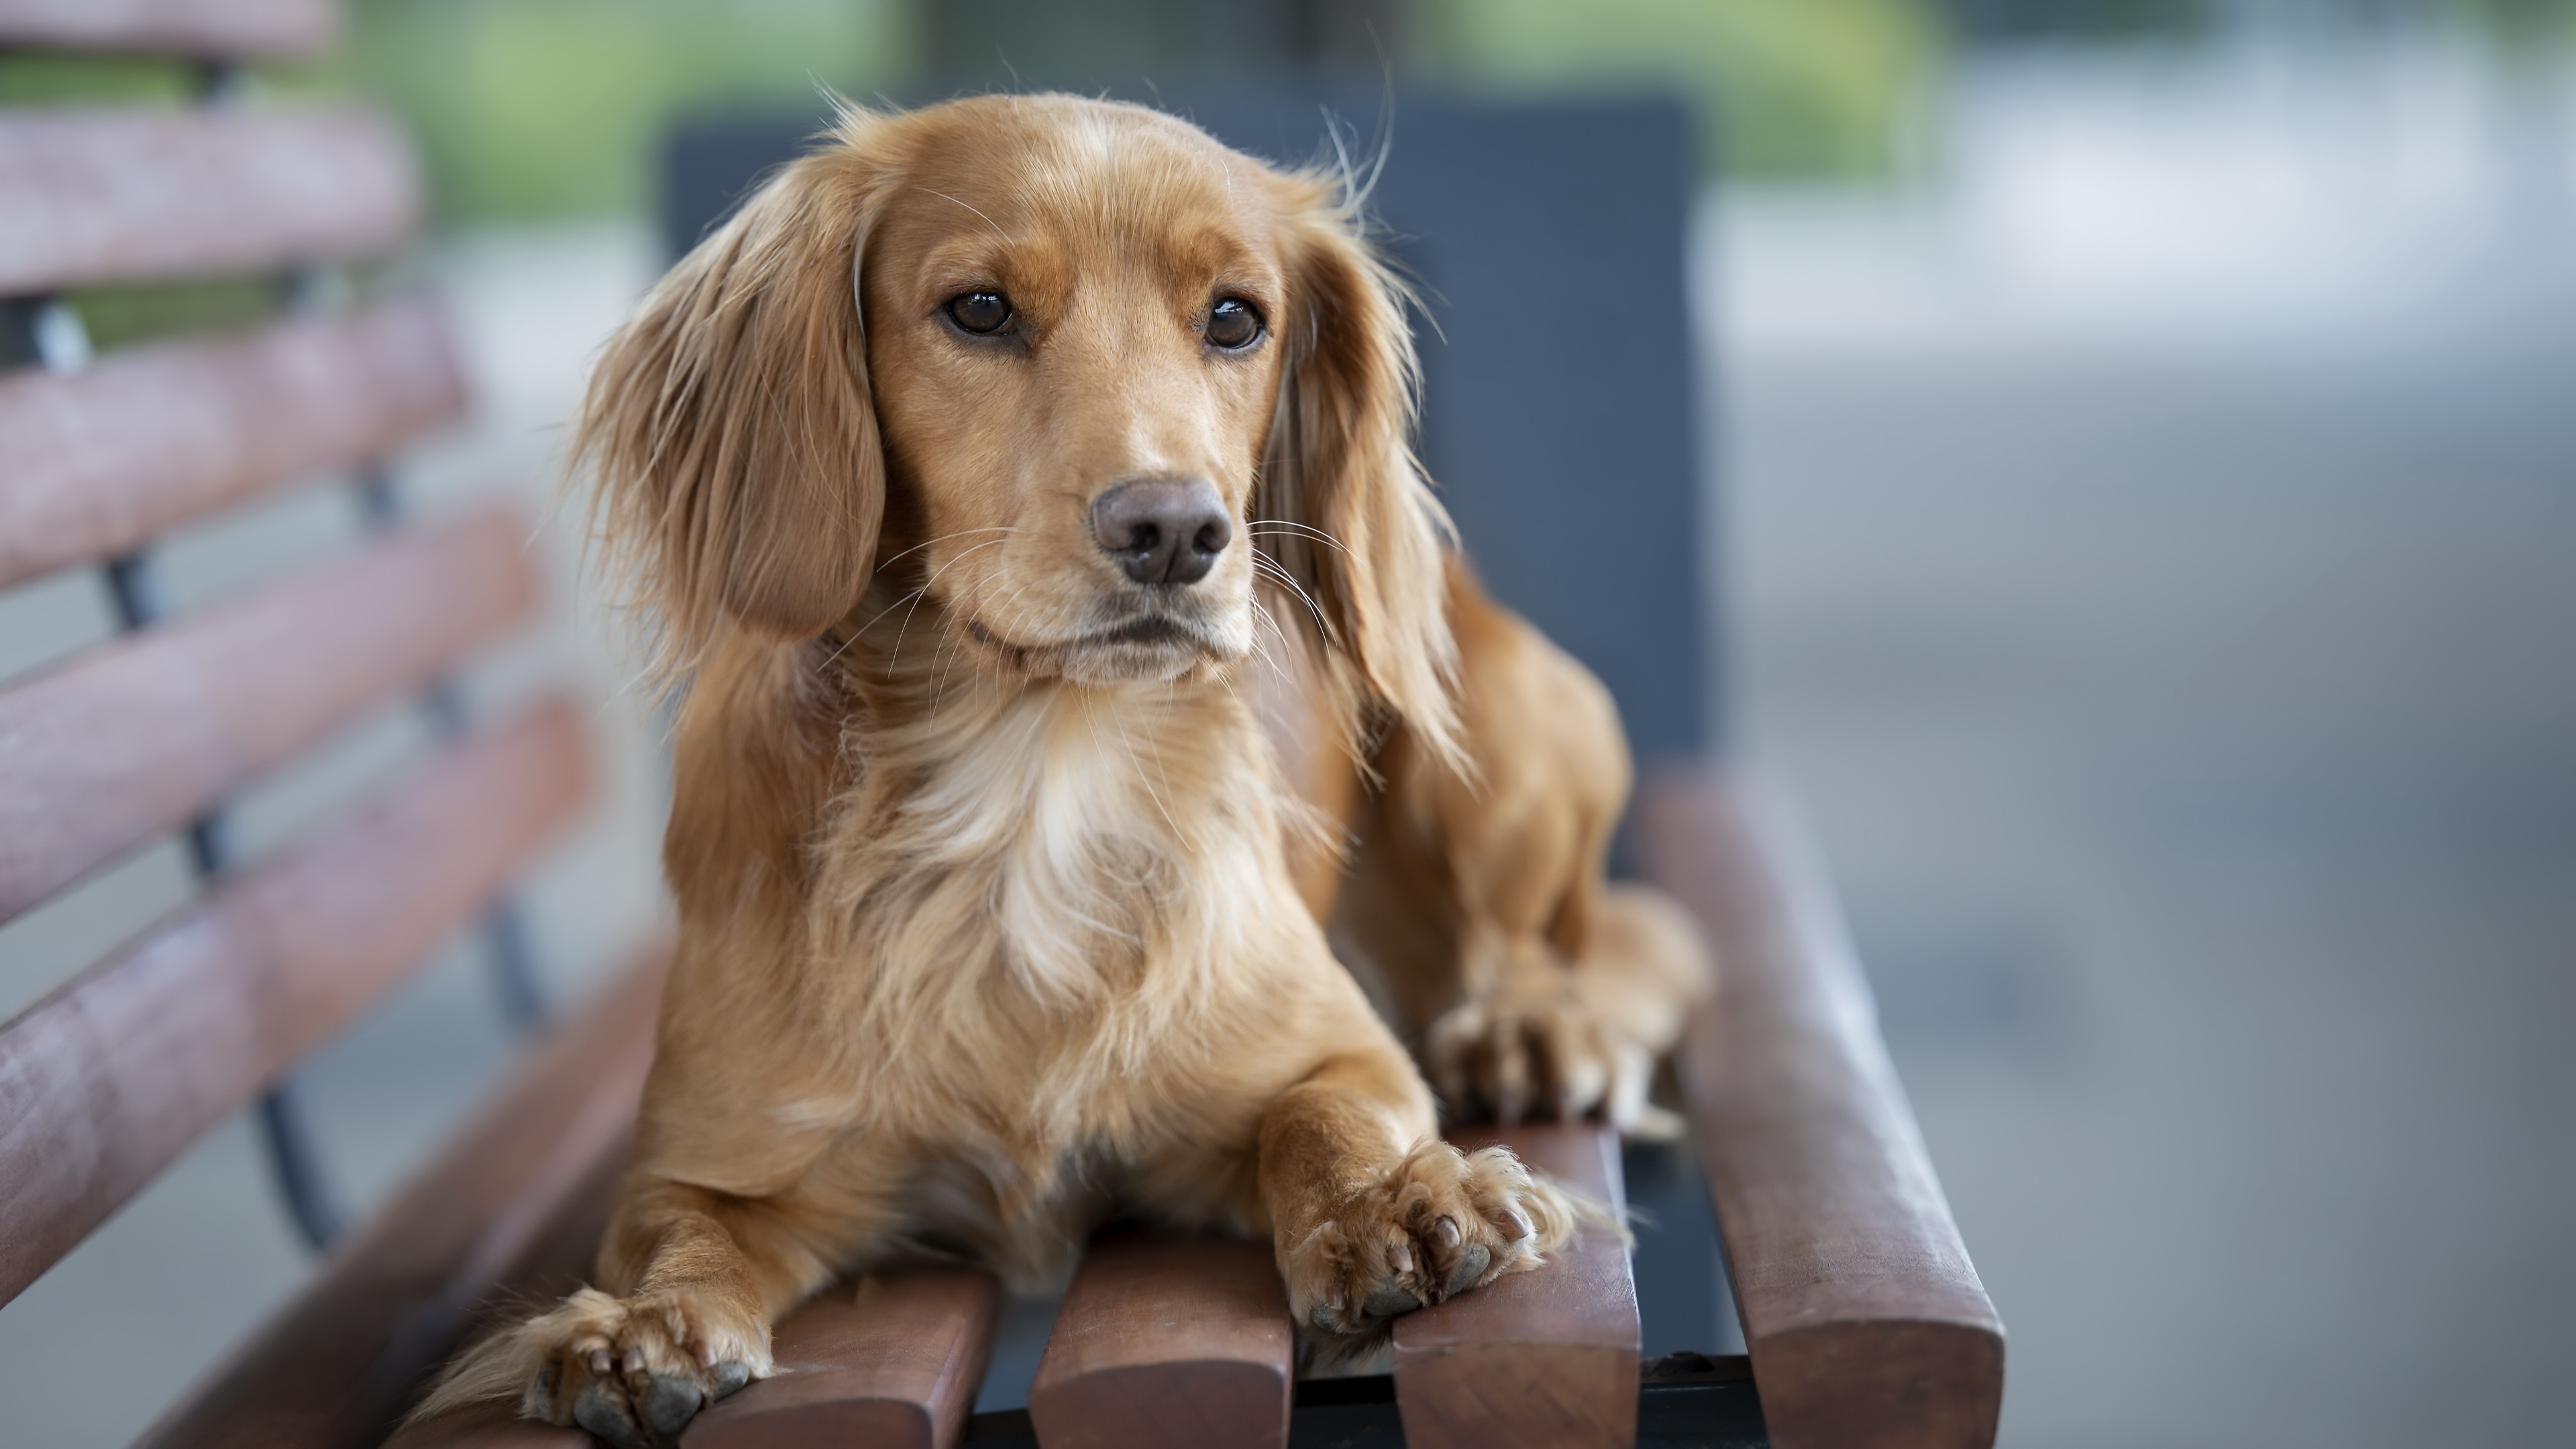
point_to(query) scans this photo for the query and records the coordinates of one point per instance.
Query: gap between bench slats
(112, 1076)
(143, 735)
(1168, 1341)
(338, 1365)
(1865, 1319)
(199, 29)
(1543, 1358)
(95, 195)
(97, 463)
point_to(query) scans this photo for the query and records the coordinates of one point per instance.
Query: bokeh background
(2142, 439)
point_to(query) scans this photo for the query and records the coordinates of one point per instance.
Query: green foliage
(2522, 22)
(36, 78)
(549, 108)
(1795, 87)
(122, 316)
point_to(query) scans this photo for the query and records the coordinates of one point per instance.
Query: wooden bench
(1864, 1319)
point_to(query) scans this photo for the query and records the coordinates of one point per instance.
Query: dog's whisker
(1280, 576)
(935, 542)
(1291, 528)
(924, 592)
(934, 578)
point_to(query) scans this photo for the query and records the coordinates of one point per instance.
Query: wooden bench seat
(1541, 1359)
(1865, 1322)
(1168, 1340)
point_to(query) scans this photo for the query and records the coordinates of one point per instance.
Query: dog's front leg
(1374, 1215)
(690, 1281)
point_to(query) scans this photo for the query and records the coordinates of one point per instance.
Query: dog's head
(1073, 369)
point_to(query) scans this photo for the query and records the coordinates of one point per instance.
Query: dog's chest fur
(1053, 902)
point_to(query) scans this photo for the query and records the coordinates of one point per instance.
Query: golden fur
(1002, 878)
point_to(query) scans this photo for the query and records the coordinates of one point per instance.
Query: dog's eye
(982, 313)
(1233, 324)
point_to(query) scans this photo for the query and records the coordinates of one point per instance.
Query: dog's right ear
(728, 429)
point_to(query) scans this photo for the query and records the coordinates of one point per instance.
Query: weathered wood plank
(894, 1363)
(209, 29)
(338, 1365)
(1867, 1324)
(97, 463)
(93, 195)
(1164, 1340)
(1543, 1358)
(143, 735)
(109, 1078)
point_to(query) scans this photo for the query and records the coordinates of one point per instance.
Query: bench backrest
(106, 1080)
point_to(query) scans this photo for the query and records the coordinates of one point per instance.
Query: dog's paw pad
(670, 1402)
(601, 1409)
(635, 1371)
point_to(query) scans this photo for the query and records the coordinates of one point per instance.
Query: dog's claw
(1446, 1230)
(1514, 1226)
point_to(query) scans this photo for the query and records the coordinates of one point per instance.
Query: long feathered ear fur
(728, 431)
(1343, 507)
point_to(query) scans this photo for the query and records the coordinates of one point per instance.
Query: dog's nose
(1162, 530)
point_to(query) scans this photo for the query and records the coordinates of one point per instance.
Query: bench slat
(893, 1365)
(1168, 1341)
(1547, 1357)
(225, 29)
(98, 463)
(337, 1366)
(109, 1078)
(141, 736)
(90, 196)
(1866, 1321)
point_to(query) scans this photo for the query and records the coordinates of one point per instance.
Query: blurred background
(2139, 453)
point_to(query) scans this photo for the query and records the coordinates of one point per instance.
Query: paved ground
(2177, 641)
(2152, 545)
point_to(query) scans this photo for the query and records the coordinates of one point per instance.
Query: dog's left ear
(1348, 514)
(728, 427)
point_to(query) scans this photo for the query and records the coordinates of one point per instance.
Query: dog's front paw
(1437, 1224)
(635, 1371)
(1542, 1049)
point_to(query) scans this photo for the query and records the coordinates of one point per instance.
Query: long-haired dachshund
(1023, 488)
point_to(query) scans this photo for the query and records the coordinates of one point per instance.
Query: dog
(1023, 488)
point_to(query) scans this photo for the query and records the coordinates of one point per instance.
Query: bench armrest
(1865, 1320)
